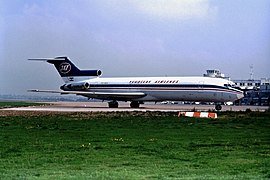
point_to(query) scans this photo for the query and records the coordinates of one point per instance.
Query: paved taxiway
(102, 107)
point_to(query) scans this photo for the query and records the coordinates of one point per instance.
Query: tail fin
(68, 71)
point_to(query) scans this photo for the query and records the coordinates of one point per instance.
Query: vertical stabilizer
(68, 71)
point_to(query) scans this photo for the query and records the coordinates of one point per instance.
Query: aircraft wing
(98, 95)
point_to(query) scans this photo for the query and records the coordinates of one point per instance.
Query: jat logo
(64, 68)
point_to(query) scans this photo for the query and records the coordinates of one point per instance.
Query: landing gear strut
(218, 107)
(134, 104)
(113, 104)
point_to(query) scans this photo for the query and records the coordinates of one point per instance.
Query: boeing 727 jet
(137, 90)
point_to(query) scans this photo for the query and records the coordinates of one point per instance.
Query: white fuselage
(169, 88)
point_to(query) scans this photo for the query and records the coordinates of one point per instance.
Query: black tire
(218, 107)
(134, 104)
(113, 104)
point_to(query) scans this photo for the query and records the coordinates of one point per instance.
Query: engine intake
(75, 86)
(89, 73)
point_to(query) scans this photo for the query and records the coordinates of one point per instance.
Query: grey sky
(132, 38)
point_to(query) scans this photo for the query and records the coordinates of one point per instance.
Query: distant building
(247, 84)
(265, 81)
(257, 92)
(251, 84)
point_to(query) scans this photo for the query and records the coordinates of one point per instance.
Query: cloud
(176, 9)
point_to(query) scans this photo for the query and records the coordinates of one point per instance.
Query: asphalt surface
(103, 107)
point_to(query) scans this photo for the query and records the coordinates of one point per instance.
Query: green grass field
(10, 104)
(135, 146)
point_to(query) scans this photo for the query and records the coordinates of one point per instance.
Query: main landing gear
(218, 107)
(133, 104)
(113, 104)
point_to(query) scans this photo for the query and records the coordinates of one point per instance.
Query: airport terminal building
(257, 92)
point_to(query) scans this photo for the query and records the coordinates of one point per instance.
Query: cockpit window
(227, 85)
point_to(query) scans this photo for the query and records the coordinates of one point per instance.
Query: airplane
(138, 90)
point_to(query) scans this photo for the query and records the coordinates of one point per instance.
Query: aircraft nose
(240, 96)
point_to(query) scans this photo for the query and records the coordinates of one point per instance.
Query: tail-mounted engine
(75, 86)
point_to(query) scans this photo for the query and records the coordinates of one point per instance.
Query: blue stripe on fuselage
(162, 87)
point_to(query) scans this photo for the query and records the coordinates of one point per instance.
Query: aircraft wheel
(218, 107)
(134, 104)
(113, 104)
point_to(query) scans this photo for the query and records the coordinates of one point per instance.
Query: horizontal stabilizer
(47, 59)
